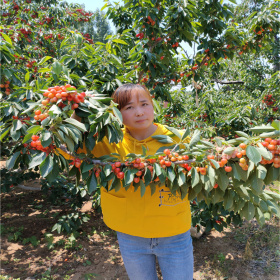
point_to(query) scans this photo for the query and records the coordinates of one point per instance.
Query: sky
(90, 5)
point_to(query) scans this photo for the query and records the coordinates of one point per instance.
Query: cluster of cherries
(59, 95)
(77, 162)
(88, 38)
(150, 21)
(30, 64)
(6, 86)
(269, 100)
(140, 35)
(136, 163)
(36, 144)
(273, 146)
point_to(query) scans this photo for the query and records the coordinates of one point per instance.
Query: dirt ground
(96, 254)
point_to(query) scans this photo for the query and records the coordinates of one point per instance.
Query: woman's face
(138, 113)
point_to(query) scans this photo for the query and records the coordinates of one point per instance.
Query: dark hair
(122, 94)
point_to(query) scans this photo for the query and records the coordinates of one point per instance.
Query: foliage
(70, 222)
(49, 69)
(212, 216)
(10, 179)
(60, 191)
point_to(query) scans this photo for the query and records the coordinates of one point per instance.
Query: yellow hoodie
(159, 215)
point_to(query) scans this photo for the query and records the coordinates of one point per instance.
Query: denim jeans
(174, 254)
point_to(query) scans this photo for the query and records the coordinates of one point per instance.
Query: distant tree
(268, 17)
(101, 27)
(98, 28)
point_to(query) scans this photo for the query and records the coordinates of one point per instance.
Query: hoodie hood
(135, 146)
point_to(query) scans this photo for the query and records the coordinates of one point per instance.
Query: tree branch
(228, 82)
(102, 163)
(259, 74)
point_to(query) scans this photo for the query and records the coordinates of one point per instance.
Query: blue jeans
(174, 254)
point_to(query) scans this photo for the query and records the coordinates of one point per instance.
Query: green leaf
(144, 150)
(251, 167)
(158, 169)
(46, 166)
(53, 175)
(253, 154)
(273, 207)
(77, 124)
(207, 143)
(229, 150)
(7, 38)
(186, 134)
(192, 194)
(104, 7)
(264, 152)
(118, 115)
(217, 195)
(251, 15)
(273, 134)
(222, 179)
(248, 211)
(259, 129)
(92, 183)
(12, 160)
(75, 134)
(17, 125)
(56, 68)
(195, 138)
(163, 139)
(171, 174)
(107, 169)
(263, 206)
(85, 167)
(242, 191)
(55, 109)
(238, 172)
(5, 132)
(34, 129)
(142, 188)
(147, 177)
(216, 164)
(128, 177)
(274, 195)
(276, 124)
(260, 216)
(44, 59)
(228, 200)
(70, 143)
(37, 160)
(219, 142)
(27, 77)
(273, 174)
(181, 179)
(256, 183)
(46, 139)
(195, 177)
(243, 134)
(211, 175)
(261, 172)
(119, 41)
(174, 131)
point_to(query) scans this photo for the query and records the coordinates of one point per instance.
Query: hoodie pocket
(113, 209)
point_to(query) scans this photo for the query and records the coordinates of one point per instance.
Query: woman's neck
(142, 134)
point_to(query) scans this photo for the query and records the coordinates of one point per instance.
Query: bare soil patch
(95, 253)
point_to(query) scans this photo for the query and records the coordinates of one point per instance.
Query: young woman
(152, 226)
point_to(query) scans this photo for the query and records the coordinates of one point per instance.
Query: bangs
(123, 94)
